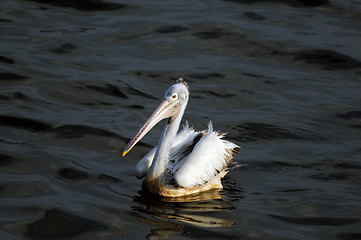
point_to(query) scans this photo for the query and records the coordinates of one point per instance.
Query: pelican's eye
(174, 96)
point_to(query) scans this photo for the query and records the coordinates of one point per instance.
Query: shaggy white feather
(207, 159)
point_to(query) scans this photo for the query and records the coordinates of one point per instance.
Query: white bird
(183, 163)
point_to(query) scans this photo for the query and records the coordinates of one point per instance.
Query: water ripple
(318, 220)
(85, 5)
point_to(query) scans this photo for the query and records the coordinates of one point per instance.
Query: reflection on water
(168, 215)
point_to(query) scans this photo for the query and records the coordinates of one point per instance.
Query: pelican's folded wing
(141, 169)
(209, 157)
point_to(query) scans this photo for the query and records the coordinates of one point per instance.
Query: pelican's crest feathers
(181, 80)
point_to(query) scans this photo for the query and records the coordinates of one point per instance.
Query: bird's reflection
(171, 215)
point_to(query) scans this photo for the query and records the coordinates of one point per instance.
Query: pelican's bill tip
(124, 153)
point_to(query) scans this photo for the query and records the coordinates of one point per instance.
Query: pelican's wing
(143, 165)
(183, 138)
(210, 156)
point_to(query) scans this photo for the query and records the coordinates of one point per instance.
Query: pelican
(185, 163)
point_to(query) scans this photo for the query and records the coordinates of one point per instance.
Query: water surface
(77, 79)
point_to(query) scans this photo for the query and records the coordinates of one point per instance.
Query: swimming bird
(184, 163)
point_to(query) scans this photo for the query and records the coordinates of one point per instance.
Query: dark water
(78, 78)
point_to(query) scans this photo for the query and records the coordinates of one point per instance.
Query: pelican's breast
(182, 140)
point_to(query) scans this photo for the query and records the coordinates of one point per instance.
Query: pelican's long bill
(165, 110)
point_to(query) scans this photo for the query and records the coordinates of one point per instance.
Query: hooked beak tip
(124, 153)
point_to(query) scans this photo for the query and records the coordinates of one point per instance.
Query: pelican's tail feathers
(231, 145)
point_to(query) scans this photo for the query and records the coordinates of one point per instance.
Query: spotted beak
(165, 109)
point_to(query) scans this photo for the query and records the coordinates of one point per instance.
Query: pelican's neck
(161, 157)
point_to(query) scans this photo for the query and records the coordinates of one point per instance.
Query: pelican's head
(177, 97)
(174, 102)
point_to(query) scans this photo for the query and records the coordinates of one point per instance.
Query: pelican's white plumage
(184, 163)
(208, 158)
(184, 138)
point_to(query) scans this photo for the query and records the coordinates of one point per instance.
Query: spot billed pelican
(183, 163)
